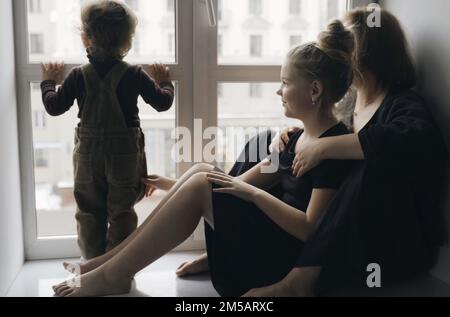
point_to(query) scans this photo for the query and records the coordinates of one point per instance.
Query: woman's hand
(53, 71)
(232, 185)
(159, 72)
(281, 139)
(308, 155)
(154, 182)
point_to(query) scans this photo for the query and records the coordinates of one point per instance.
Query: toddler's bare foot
(94, 283)
(80, 267)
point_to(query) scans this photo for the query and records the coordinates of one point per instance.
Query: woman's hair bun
(336, 38)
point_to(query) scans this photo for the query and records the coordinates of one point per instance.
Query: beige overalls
(109, 161)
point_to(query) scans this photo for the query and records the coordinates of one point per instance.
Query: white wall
(11, 233)
(427, 26)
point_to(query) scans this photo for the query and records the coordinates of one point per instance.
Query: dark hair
(382, 50)
(110, 27)
(328, 60)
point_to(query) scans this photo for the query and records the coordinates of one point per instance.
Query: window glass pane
(170, 5)
(244, 110)
(295, 7)
(37, 43)
(255, 7)
(295, 40)
(133, 4)
(54, 31)
(53, 171)
(34, 6)
(262, 31)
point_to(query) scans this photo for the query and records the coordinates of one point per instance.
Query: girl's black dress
(247, 249)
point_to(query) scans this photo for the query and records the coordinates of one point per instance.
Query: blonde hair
(329, 60)
(110, 26)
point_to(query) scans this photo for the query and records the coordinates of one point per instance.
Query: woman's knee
(201, 168)
(199, 188)
(199, 179)
(199, 185)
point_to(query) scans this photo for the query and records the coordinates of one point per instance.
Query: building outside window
(41, 158)
(34, 6)
(295, 7)
(256, 42)
(37, 43)
(255, 7)
(255, 90)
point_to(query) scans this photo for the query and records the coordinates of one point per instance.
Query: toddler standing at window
(109, 158)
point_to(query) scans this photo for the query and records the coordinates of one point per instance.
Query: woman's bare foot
(298, 283)
(80, 267)
(198, 266)
(278, 290)
(95, 283)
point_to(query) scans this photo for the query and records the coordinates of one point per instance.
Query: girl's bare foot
(95, 283)
(82, 267)
(198, 266)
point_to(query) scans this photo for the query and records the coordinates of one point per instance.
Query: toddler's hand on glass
(159, 72)
(53, 71)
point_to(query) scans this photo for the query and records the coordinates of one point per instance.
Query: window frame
(197, 95)
(28, 72)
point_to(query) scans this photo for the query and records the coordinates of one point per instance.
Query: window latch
(211, 13)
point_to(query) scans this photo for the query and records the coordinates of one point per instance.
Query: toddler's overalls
(109, 161)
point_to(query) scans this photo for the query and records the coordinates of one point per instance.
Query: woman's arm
(254, 176)
(296, 222)
(343, 147)
(257, 176)
(312, 153)
(404, 133)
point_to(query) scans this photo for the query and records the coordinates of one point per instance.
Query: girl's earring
(313, 102)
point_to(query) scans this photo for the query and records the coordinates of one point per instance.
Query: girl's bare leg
(173, 224)
(84, 267)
